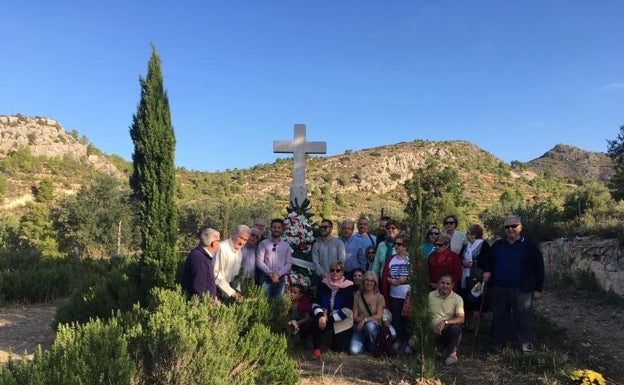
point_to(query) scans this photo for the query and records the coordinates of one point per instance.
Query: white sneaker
(450, 360)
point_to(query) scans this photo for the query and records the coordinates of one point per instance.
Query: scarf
(334, 286)
(471, 253)
(472, 250)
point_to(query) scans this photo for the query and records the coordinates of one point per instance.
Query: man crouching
(447, 309)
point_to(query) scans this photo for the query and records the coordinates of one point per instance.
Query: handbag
(407, 306)
(474, 277)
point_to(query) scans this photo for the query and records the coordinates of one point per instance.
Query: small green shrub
(116, 288)
(172, 341)
(94, 353)
(33, 278)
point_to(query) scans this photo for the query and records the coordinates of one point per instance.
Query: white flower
(298, 232)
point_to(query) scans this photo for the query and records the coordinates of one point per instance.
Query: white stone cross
(299, 148)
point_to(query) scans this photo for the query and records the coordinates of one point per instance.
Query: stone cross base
(298, 194)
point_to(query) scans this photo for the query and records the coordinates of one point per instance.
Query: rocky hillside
(33, 148)
(45, 137)
(363, 181)
(574, 163)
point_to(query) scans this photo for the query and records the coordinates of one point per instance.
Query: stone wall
(602, 257)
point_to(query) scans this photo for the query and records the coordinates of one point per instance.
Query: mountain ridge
(360, 181)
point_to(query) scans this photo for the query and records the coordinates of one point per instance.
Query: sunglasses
(449, 222)
(335, 270)
(399, 244)
(511, 226)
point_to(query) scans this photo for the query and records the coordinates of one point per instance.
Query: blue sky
(513, 77)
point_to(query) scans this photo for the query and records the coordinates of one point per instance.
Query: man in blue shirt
(198, 271)
(515, 272)
(354, 251)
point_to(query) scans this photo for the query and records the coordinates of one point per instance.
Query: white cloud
(613, 85)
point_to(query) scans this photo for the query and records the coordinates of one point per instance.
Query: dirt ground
(23, 327)
(593, 334)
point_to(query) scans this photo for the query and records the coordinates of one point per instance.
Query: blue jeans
(273, 290)
(365, 338)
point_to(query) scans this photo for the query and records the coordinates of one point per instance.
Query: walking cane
(480, 316)
(480, 308)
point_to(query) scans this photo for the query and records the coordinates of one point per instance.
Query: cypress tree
(153, 180)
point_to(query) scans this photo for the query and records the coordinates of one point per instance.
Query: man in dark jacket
(198, 271)
(515, 272)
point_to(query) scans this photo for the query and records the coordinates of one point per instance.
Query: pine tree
(153, 179)
(615, 150)
(434, 191)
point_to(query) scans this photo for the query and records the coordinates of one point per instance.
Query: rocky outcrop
(46, 137)
(604, 258)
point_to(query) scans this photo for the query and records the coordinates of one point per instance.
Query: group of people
(363, 282)
(213, 266)
(461, 265)
(363, 285)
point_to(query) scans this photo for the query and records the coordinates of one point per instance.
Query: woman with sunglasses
(386, 248)
(333, 310)
(444, 260)
(427, 247)
(368, 308)
(370, 256)
(395, 286)
(458, 239)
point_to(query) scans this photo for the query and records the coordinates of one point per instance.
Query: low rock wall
(602, 257)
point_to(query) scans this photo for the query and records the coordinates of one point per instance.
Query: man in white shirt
(228, 259)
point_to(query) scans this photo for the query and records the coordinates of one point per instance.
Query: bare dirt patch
(23, 328)
(594, 329)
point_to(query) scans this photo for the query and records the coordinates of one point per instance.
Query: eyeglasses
(399, 244)
(434, 233)
(449, 222)
(324, 227)
(511, 226)
(335, 270)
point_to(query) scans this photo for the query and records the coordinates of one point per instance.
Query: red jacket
(444, 261)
